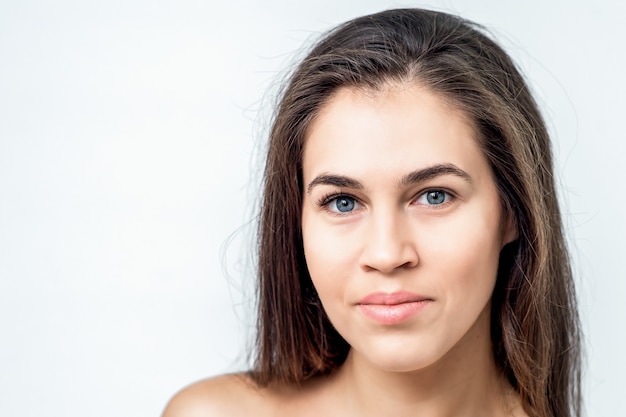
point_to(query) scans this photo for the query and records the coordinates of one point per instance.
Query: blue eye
(342, 204)
(434, 197)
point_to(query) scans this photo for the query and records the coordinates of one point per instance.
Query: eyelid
(450, 196)
(326, 199)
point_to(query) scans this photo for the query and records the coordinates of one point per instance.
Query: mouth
(382, 298)
(394, 308)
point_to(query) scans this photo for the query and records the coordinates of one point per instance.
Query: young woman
(411, 253)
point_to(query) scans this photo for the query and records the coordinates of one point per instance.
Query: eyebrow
(434, 171)
(336, 180)
(414, 177)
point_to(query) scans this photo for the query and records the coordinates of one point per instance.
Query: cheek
(329, 254)
(465, 254)
(458, 255)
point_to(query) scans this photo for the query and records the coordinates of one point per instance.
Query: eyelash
(325, 200)
(329, 198)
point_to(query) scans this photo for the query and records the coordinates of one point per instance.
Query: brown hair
(535, 328)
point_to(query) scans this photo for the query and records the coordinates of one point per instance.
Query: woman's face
(402, 225)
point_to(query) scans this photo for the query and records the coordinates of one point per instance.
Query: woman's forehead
(396, 129)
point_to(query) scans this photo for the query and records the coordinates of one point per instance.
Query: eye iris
(344, 204)
(435, 197)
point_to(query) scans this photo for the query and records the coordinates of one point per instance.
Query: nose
(389, 243)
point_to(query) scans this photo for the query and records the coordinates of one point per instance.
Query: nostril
(387, 261)
(409, 264)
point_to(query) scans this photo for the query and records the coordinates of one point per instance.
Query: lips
(393, 308)
(382, 298)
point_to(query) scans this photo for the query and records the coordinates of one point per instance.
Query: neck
(464, 382)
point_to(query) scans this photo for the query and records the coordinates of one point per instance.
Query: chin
(400, 358)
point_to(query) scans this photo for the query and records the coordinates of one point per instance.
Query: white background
(130, 133)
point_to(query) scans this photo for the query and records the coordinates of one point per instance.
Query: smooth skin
(398, 199)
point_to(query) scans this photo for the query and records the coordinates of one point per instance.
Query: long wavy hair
(534, 321)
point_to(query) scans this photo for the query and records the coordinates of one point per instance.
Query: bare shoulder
(227, 395)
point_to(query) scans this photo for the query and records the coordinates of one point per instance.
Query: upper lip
(401, 297)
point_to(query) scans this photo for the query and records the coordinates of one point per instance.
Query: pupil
(435, 197)
(344, 204)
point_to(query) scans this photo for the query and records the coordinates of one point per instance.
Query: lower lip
(392, 313)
